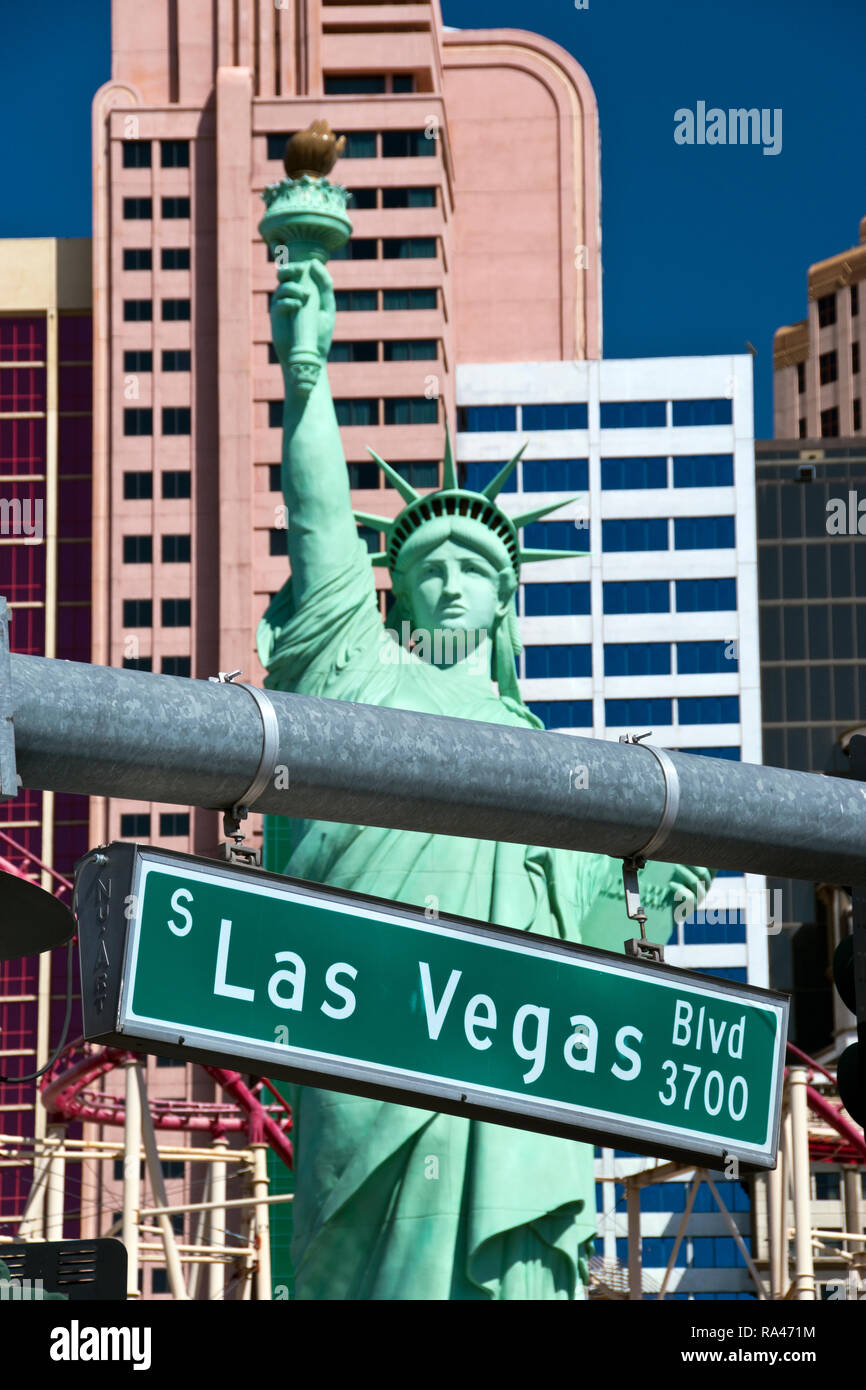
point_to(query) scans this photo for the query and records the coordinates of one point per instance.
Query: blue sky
(703, 247)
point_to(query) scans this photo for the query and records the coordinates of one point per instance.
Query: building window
(175, 258)
(418, 474)
(563, 714)
(362, 198)
(133, 825)
(275, 414)
(175, 208)
(728, 755)
(176, 666)
(706, 595)
(176, 360)
(706, 658)
(408, 299)
(278, 543)
(138, 550)
(360, 144)
(570, 415)
(176, 419)
(704, 533)
(855, 301)
(828, 1187)
(175, 550)
(175, 612)
(638, 711)
(704, 470)
(357, 249)
(474, 419)
(478, 475)
(176, 484)
(556, 535)
(173, 823)
(830, 423)
(711, 412)
(709, 709)
(364, 350)
(556, 600)
(276, 145)
(174, 154)
(356, 411)
(356, 301)
(136, 154)
(620, 475)
(137, 487)
(801, 377)
(137, 612)
(137, 209)
(138, 258)
(637, 659)
(337, 85)
(828, 367)
(175, 310)
(636, 534)
(137, 420)
(856, 413)
(555, 475)
(422, 197)
(826, 310)
(137, 310)
(636, 596)
(633, 415)
(855, 359)
(137, 361)
(138, 663)
(410, 349)
(403, 144)
(274, 477)
(395, 248)
(543, 663)
(411, 410)
(801, 425)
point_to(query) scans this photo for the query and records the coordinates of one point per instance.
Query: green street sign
(203, 961)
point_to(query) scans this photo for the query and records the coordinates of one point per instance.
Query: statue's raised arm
(314, 477)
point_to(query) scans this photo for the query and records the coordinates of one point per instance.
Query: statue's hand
(689, 884)
(303, 309)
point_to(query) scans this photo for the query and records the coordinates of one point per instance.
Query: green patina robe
(393, 1202)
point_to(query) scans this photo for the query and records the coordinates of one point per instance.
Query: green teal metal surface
(376, 999)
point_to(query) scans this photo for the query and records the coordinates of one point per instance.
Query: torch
(306, 219)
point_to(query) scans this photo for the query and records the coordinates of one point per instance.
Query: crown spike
(529, 557)
(494, 488)
(524, 518)
(449, 472)
(379, 523)
(406, 490)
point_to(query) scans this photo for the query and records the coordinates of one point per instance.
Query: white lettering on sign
(436, 1013)
(682, 1034)
(347, 1008)
(473, 1019)
(177, 906)
(296, 977)
(220, 984)
(581, 1048)
(537, 1052)
(633, 1070)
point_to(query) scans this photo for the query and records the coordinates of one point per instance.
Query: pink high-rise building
(817, 372)
(473, 159)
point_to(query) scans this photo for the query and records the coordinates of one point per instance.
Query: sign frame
(108, 878)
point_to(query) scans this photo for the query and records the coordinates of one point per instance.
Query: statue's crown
(453, 500)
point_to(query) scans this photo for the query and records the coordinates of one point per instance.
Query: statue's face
(455, 588)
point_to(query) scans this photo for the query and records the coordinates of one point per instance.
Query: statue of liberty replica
(393, 1202)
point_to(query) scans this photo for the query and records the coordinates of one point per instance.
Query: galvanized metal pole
(107, 732)
(804, 1276)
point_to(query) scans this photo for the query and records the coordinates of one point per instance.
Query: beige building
(817, 370)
